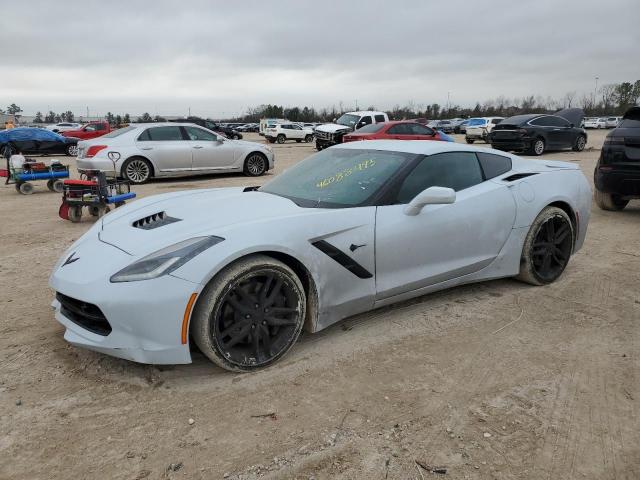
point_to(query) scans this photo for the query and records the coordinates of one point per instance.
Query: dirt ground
(498, 380)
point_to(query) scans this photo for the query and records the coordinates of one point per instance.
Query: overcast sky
(219, 58)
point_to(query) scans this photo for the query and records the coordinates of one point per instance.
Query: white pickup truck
(281, 132)
(332, 133)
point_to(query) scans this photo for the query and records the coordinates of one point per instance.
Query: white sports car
(241, 271)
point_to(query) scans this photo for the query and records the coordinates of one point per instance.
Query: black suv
(617, 174)
(211, 125)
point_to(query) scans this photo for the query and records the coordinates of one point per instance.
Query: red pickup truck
(89, 130)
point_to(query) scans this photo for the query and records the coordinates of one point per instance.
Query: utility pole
(595, 92)
(448, 101)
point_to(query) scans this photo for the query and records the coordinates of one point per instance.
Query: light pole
(448, 101)
(595, 91)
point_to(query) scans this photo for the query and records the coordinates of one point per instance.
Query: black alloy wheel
(547, 248)
(250, 315)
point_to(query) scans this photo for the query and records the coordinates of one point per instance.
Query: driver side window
(457, 170)
(199, 134)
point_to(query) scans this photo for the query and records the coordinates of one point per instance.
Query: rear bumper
(522, 144)
(623, 182)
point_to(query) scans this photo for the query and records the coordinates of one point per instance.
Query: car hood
(572, 115)
(332, 128)
(191, 213)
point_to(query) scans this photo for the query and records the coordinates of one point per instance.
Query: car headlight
(165, 261)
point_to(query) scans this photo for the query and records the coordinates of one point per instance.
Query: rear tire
(547, 247)
(469, 140)
(259, 326)
(537, 147)
(137, 170)
(609, 201)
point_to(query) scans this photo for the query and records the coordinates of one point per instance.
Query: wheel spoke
(550, 230)
(238, 305)
(277, 310)
(266, 339)
(255, 341)
(280, 322)
(264, 290)
(546, 263)
(274, 293)
(561, 234)
(241, 335)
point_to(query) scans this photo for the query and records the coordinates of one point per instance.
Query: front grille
(154, 221)
(323, 135)
(86, 315)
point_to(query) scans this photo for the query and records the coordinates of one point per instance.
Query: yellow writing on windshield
(342, 174)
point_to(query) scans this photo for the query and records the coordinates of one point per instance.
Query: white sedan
(148, 150)
(241, 271)
(63, 127)
(595, 123)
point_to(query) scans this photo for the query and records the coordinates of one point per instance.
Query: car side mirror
(430, 196)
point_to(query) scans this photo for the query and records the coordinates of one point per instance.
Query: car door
(442, 242)
(420, 132)
(295, 132)
(399, 131)
(545, 127)
(563, 132)
(166, 147)
(209, 151)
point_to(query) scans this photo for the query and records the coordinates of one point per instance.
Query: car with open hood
(536, 133)
(240, 272)
(617, 174)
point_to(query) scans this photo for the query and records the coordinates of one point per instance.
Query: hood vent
(156, 220)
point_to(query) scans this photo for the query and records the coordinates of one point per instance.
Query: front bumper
(145, 317)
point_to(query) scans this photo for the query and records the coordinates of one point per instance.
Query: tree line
(610, 99)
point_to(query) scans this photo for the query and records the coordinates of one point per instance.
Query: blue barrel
(121, 198)
(26, 177)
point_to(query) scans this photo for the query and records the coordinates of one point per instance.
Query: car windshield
(348, 120)
(373, 128)
(117, 133)
(476, 121)
(337, 177)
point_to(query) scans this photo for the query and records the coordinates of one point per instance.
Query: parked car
(36, 141)
(149, 150)
(89, 130)
(595, 122)
(394, 130)
(537, 133)
(457, 122)
(462, 128)
(479, 128)
(213, 126)
(612, 122)
(331, 133)
(240, 272)
(268, 123)
(446, 126)
(63, 126)
(281, 132)
(617, 174)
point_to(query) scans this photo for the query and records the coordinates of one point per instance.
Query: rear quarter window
(493, 165)
(380, 118)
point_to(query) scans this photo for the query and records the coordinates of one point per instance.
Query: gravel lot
(495, 380)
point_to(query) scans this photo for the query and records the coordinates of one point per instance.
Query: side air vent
(342, 258)
(156, 220)
(518, 176)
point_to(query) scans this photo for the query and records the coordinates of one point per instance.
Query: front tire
(255, 165)
(308, 138)
(547, 247)
(72, 150)
(137, 170)
(25, 188)
(75, 213)
(250, 315)
(581, 142)
(469, 140)
(609, 201)
(281, 139)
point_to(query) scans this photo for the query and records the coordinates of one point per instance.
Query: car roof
(422, 147)
(365, 112)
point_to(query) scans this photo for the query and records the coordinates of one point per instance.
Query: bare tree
(568, 99)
